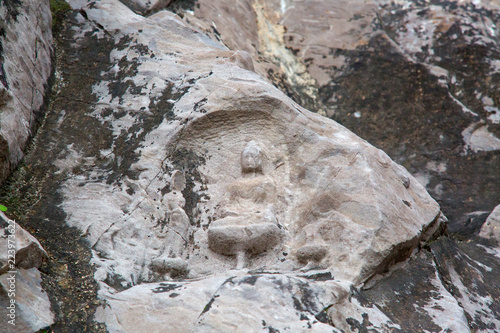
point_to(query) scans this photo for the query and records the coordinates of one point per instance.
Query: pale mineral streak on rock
(494, 116)
(270, 32)
(493, 251)
(413, 289)
(477, 305)
(478, 138)
(469, 271)
(445, 310)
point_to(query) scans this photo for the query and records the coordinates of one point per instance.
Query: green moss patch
(58, 8)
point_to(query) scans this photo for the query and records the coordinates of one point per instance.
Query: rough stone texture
(413, 296)
(32, 304)
(418, 79)
(470, 270)
(146, 7)
(449, 286)
(278, 302)
(27, 250)
(319, 184)
(196, 196)
(25, 67)
(491, 228)
(20, 280)
(150, 151)
(254, 28)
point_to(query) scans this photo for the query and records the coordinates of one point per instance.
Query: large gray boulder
(176, 161)
(178, 190)
(233, 302)
(19, 248)
(315, 181)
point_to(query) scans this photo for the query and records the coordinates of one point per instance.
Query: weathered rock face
(491, 227)
(145, 7)
(426, 73)
(24, 306)
(26, 250)
(175, 184)
(174, 160)
(278, 302)
(434, 292)
(450, 286)
(187, 190)
(471, 269)
(25, 67)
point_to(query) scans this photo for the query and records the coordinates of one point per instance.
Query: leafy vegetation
(18, 194)
(58, 9)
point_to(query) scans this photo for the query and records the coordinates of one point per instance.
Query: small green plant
(58, 9)
(19, 192)
(3, 208)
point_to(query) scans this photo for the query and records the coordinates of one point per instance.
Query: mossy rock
(58, 8)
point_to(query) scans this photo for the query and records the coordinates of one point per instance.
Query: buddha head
(251, 158)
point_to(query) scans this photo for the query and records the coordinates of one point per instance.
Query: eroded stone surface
(19, 248)
(24, 306)
(32, 306)
(25, 67)
(143, 156)
(413, 296)
(330, 188)
(142, 160)
(234, 302)
(491, 228)
(470, 271)
(426, 73)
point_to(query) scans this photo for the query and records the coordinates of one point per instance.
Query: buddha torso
(247, 224)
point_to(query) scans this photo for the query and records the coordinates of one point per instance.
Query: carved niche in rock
(288, 190)
(248, 224)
